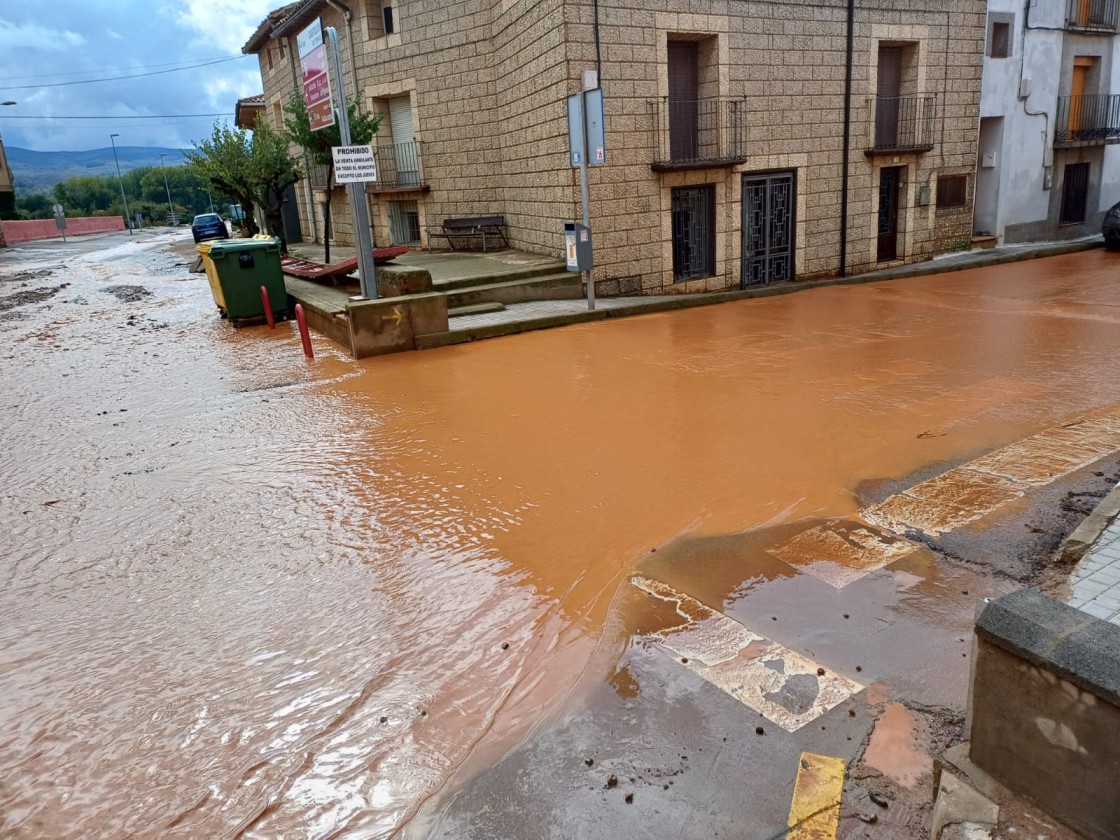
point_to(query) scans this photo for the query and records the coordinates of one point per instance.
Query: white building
(1049, 118)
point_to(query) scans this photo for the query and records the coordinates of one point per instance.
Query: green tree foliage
(147, 196)
(254, 170)
(224, 161)
(273, 171)
(318, 144)
(35, 206)
(86, 195)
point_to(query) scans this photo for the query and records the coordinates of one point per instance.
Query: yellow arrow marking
(814, 813)
(396, 317)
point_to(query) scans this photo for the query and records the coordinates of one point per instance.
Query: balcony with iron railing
(697, 135)
(901, 124)
(1088, 120)
(1093, 15)
(398, 168)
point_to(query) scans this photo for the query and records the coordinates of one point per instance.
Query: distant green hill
(40, 171)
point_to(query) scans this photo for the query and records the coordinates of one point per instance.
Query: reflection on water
(241, 594)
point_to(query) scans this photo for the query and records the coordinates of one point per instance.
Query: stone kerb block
(1045, 708)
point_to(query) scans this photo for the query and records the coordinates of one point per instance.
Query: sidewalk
(1095, 582)
(524, 317)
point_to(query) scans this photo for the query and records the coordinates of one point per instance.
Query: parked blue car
(208, 226)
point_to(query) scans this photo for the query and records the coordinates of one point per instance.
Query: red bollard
(304, 335)
(267, 309)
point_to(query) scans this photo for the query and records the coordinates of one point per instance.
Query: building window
(952, 191)
(404, 222)
(999, 39)
(694, 233)
(387, 15)
(1075, 192)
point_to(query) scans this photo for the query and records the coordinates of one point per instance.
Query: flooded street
(245, 595)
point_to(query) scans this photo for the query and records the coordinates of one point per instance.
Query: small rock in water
(589, 761)
(879, 799)
(612, 781)
(758, 730)
(629, 799)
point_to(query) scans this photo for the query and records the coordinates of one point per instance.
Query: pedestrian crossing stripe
(787, 688)
(840, 552)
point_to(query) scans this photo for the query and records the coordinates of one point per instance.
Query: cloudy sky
(48, 45)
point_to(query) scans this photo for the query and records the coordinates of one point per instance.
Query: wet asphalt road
(244, 595)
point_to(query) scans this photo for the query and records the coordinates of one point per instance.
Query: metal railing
(1094, 14)
(398, 165)
(708, 131)
(1088, 119)
(902, 123)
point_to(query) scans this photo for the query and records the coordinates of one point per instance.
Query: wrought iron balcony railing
(902, 124)
(1098, 15)
(1091, 120)
(707, 132)
(398, 166)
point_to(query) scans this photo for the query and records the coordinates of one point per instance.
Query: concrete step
(514, 273)
(475, 309)
(981, 242)
(553, 286)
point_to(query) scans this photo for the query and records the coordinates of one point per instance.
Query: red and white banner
(316, 79)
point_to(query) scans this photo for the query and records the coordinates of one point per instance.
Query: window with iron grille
(1075, 192)
(694, 233)
(404, 222)
(952, 191)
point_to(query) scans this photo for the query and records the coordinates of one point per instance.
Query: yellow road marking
(814, 813)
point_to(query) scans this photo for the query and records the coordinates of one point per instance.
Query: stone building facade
(725, 128)
(1048, 165)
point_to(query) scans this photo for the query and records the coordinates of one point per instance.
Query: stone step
(514, 273)
(980, 242)
(554, 286)
(475, 309)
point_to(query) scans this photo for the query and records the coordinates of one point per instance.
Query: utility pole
(120, 180)
(172, 219)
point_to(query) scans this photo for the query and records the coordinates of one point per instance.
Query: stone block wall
(1045, 708)
(488, 80)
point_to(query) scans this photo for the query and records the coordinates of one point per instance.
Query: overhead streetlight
(171, 218)
(120, 180)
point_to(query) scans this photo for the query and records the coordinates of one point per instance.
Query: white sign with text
(354, 164)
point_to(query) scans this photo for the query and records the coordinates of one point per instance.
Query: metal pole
(583, 195)
(359, 209)
(127, 216)
(170, 207)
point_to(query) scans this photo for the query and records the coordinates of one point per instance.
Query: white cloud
(31, 36)
(226, 25)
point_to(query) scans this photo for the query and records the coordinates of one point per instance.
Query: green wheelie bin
(242, 266)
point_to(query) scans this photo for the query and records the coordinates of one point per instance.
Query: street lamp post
(171, 218)
(120, 180)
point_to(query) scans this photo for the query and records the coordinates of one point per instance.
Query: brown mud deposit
(246, 595)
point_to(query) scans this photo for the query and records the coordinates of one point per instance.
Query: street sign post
(359, 208)
(354, 164)
(586, 146)
(60, 220)
(316, 81)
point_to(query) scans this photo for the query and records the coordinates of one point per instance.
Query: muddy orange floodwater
(244, 595)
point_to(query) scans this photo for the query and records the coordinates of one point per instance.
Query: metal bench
(471, 229)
